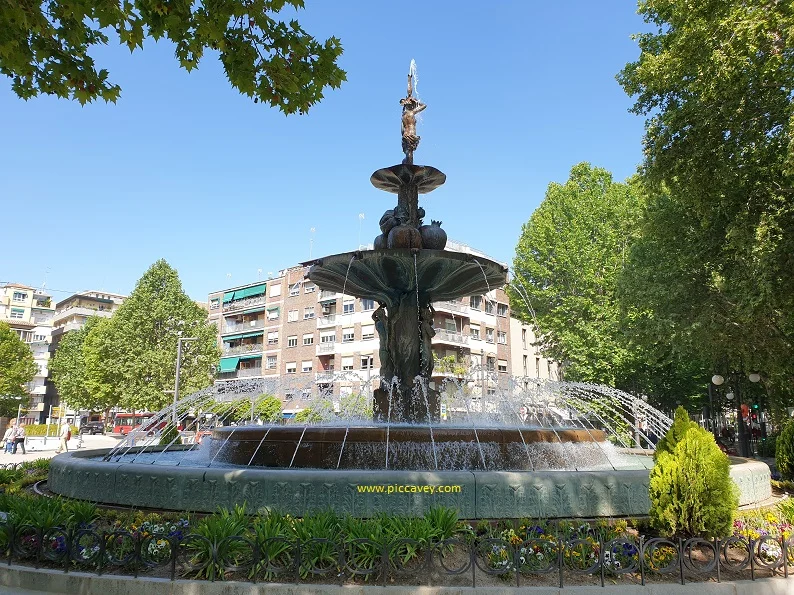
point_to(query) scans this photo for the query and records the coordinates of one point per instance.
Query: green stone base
(548, 494)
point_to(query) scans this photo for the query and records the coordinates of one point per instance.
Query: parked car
(92, 427)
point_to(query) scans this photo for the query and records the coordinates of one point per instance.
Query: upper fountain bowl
(424, 177)
(387, 275)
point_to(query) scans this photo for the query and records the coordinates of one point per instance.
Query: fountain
(535, 449)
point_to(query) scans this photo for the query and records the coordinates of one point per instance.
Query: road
(37, 448)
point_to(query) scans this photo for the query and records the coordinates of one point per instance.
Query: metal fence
(279, 559)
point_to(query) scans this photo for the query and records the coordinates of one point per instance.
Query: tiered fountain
(578, 450)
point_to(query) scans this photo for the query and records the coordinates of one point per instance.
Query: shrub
(767, 446)
(691, 490)
(170, 435)
(784, 453)
(681, 424)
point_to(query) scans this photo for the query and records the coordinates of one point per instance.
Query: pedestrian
(8, 437)
(19, 439)
(65, 435)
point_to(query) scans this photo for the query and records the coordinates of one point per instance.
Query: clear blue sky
(184, 168)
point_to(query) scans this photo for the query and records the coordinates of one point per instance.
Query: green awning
(228, 296)
(251, 356)
(252, 310)
(270, 308)
(250, 291)
(243, 336)
(232, 337)
(229, 364)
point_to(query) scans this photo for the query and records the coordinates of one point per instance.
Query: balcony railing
(245, 303)
(249, 348)
(244, 326)
(327, 295)
(452, 306)
(248, 372)
(450, 337)
(329, 320)
(326, 347)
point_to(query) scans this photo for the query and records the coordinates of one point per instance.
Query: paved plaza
(37, 447)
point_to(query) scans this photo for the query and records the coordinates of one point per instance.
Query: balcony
(250, 302)
(244, 326)
(242, 349)
(326, 348)
(329, 320)
(325, 296)
(244, 373)
(456, 307)
(326, 376)
(443, 336)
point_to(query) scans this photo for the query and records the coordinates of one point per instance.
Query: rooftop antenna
(311, 242)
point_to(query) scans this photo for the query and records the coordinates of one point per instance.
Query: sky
(185, 168)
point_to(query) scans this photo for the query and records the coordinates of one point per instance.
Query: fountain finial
(411, 107)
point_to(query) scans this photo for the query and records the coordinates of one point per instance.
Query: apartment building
(29, 312)
(286, 327)
(526, 357)
(71, 314)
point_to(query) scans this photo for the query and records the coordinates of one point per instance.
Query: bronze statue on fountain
(407, 270)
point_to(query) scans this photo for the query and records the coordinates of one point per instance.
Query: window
(367, 305)
(490, 391)
(214, 303)
(489, 335)
(503, 365)
(347, 363)
(275, 290)
(272, 338)
(367, 362)
(289, 395)
(17, 313)
(271, 361)
(501, 309)
(490, 363)
(272, 313)
(537, 367)
(38, 337)
(449, 325)
(306, 366)
(490, 307)
(548, 368)
(328, 337)
(292, 316)
(308, 312)
(474, 331)
(295, 289)
(475, 302)
(308, 339)
(292, 341)
(20, 296)
(367, 332)
(309, 287)
(524, 338)
(501, 336)
(525, 365)
(348, 307)
(348, 335)
(292, 367)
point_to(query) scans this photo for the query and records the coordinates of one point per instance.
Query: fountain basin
(386, 275)
(475, 494)
(408, 447)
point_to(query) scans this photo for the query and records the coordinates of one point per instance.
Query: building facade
(29, 312)
(71, 314)
(286, 327)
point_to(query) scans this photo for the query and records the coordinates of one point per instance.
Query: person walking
(8, 437)
(65, 435)
(19, 439)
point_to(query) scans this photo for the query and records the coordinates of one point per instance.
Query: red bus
(124, 423)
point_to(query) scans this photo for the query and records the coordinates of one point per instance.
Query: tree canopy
(47, 47)
(17, 368)
(715, 265)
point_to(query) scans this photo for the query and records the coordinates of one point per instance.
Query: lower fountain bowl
(410, 447)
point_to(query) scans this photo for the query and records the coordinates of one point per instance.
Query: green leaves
(17, 368)
(44, 48)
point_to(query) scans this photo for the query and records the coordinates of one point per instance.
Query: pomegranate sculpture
(433, 237)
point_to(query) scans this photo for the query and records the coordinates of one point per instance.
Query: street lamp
(742, 437)
(178, 366)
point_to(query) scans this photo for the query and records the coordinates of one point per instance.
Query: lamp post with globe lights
(743, 442)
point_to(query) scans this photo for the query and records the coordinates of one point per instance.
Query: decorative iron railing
(457, 560)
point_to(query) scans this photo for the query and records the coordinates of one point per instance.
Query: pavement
(39, 448)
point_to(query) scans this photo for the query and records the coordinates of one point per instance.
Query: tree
(17, 368)
(45, 46)
(79, 385)
(714, 264)
(138, 352)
